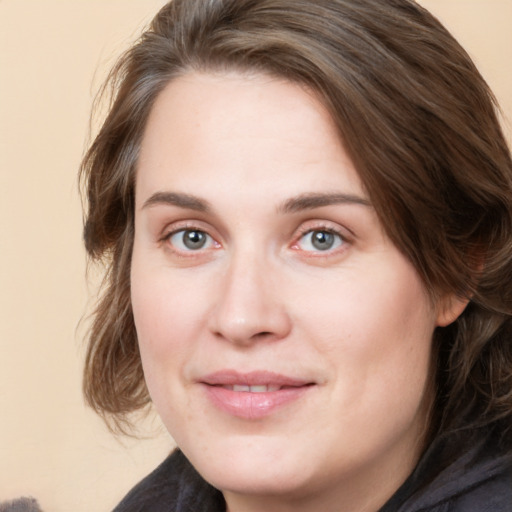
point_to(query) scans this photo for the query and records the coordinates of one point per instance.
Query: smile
(253, 395)
(252, 389)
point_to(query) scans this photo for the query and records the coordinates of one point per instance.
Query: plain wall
(53, 56)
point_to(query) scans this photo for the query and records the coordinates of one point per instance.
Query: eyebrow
(308, 201)
(314, 200)
(181, 200)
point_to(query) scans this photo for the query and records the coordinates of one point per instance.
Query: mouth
(253, 395)
(241, 388)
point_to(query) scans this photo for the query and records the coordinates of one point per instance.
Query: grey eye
(320, 240)
(190, 239)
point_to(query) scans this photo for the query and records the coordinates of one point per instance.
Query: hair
(20, 505)
(422, 129)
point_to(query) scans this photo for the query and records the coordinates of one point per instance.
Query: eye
(190, 240)
(320, 240)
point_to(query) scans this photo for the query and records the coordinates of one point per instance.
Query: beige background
(53, 55)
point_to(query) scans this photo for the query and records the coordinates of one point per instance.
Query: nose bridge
(250, 305)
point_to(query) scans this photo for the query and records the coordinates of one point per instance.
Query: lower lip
(252, 406)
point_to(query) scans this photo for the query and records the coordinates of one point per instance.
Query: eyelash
(191, 228)
(309, 229)
(321, 228)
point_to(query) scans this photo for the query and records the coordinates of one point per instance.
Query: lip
(250, 404)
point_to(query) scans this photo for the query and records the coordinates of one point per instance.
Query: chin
(252, 466)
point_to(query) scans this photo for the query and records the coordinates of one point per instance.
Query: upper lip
(253, 378)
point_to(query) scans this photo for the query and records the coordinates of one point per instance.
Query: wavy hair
(422, 129)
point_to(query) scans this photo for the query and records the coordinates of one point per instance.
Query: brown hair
(421, 127)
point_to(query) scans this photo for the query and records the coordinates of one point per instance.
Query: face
(286, 342)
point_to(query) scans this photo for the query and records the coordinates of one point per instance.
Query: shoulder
(156, 489)
(494, 494)
(174, 486)
(479, 480)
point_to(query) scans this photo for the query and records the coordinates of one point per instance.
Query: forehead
(240, 128)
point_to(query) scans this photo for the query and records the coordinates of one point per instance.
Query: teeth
(253, 389)
(245, 389)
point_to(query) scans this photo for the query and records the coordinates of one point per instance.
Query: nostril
(263, 334)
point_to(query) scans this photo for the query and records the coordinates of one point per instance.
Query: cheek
(166, 309)
(164, 321)
(370, 311)
(166, 315)
(382, 356)
(376, 330)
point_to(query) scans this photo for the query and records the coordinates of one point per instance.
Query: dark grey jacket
(478, 481)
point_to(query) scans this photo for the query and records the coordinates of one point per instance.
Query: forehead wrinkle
(179, 199)
(313, 200)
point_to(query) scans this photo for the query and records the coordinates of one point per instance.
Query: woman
(306, 211)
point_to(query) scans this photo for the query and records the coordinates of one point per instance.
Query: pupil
(322, 240)
(194, 239)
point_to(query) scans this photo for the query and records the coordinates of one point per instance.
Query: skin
(234, 159)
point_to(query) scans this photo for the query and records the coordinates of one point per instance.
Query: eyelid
(184, 224)
(181, 246)
(187, 225)
(322, 225)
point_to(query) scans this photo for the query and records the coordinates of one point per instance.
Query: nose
(250, 305)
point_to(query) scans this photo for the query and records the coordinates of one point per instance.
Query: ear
(449, 308)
